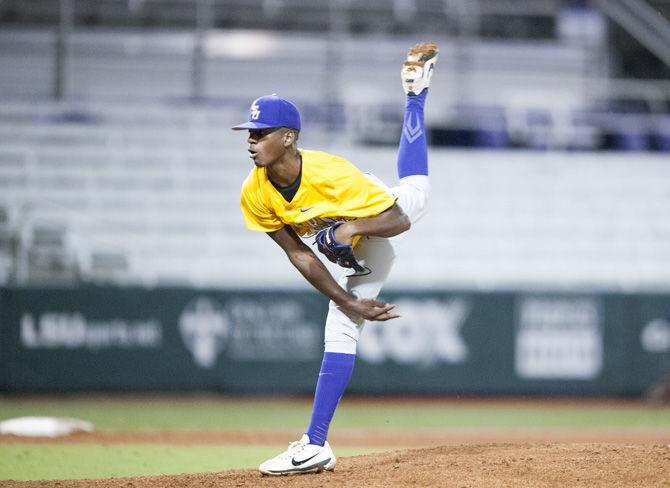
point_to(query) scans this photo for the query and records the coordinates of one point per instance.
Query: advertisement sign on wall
(558, 338)
(132, 339)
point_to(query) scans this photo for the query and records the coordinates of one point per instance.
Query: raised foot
(417, 70)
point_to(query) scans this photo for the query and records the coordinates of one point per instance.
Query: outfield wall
(135, 339)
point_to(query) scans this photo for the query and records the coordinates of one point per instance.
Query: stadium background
(541, 269)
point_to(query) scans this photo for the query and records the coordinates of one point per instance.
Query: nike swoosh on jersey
(306, 209)
(298, 463)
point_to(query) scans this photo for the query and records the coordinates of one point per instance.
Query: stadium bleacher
(540, 94)
(133, 176)
(158, 204)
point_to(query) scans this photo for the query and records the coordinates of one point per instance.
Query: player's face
(266, 145)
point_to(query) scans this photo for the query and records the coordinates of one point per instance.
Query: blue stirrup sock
(413, 151)
(334, 377)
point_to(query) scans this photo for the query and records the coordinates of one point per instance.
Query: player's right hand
(371, 309)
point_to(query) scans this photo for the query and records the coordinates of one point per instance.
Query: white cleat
(418, 67)
(300, 457)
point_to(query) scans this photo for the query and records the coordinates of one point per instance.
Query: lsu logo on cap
(255, 111)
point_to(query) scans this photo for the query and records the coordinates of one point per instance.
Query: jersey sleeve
(256, 215)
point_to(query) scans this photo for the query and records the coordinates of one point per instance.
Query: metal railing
(641, 21)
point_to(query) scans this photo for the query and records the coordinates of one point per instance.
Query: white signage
(52, 330)
(249, 330)
(204, 328)
(428, 332)
(273, 330)
(558, 338)
(655, 336)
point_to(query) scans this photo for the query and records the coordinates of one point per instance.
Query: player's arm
(314, 271)
(389, 223)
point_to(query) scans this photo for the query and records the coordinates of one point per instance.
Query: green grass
(262, 414)
(39, 461)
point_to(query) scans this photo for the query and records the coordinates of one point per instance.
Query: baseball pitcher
(357, 222)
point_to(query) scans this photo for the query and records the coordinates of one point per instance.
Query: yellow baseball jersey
(331, 190)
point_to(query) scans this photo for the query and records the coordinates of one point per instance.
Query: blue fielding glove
(341, 254)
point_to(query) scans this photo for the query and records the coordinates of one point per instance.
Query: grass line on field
(251, 415)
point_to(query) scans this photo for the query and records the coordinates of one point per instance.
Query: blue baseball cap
(271, 111)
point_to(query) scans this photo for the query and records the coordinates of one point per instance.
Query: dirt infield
(517, 465)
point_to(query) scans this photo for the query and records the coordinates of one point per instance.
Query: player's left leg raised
(313, 453)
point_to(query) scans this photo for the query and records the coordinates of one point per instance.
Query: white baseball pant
(378, 254)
